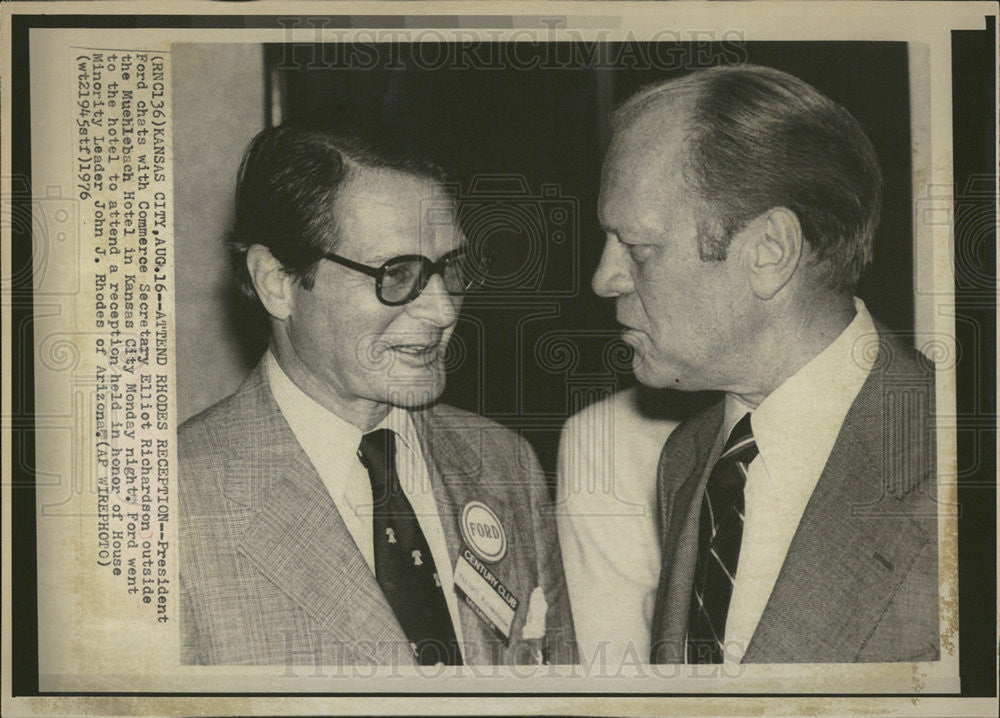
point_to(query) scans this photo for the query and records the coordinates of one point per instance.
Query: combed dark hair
(285, 191)
(759, 138)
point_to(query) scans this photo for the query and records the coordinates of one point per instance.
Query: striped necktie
(720, 532)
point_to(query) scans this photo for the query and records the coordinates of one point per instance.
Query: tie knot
(378, 454)
(741, 445)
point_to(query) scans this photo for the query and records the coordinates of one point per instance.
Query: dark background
(538, 346)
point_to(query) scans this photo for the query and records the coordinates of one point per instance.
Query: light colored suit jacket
(860, 580)
(269, 573)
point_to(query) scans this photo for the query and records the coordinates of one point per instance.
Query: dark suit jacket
(860, 580)
(269, 573)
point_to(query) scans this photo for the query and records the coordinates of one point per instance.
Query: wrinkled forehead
(392, 212)
(651, 138)
(645, 161)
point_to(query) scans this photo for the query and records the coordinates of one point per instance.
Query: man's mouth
(633, 337)
(418, 353)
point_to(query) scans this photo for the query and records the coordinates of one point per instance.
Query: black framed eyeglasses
(401, 279)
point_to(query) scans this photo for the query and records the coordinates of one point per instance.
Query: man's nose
(435, 304)
(612, 277)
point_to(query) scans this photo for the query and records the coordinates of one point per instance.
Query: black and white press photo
(625, 358)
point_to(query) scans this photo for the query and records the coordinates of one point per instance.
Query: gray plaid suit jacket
(860, 580)
(269, 573)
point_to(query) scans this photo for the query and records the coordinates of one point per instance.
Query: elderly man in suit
(330, 513)
(797, 514)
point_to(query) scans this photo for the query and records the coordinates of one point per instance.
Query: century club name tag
(485, 594)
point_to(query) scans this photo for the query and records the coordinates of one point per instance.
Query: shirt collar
(796, 425)
(314, 422)
(400, 423)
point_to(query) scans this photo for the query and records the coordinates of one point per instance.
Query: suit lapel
(447, 457)
(848, 549)
(455, 470)
(681, 477)
(299, 541)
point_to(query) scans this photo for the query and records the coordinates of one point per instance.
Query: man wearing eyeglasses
(329, 513)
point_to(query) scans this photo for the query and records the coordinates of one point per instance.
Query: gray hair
(759, 138)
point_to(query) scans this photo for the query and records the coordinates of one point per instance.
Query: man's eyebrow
(376, 260)
(620, 231)
(618, 228)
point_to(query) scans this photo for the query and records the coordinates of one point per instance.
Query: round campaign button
(483, 532)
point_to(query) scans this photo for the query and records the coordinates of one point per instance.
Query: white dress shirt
(795, 428)
(332, 446)
(608, 531)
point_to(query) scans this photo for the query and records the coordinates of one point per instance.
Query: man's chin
(412, 390)
(645, 370)
(656, 376)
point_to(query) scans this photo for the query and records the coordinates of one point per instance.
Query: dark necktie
(404, 566)
(720, 532)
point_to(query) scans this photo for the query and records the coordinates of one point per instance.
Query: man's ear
(272, 282)
(773, 250)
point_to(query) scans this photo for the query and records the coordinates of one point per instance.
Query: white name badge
(483, 532)
(483, 592)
